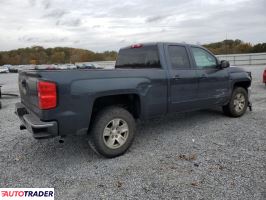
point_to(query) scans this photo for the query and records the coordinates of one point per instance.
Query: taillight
(136, 46)
(47, 95)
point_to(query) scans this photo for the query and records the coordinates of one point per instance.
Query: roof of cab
(159, 43)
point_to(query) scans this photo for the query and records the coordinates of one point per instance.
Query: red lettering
(21, 193)
(11, 193)
(4, 193)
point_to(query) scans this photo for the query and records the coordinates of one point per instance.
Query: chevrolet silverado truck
(149, 80)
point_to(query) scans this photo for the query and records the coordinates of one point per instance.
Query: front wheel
(238, 103)
(112, 132)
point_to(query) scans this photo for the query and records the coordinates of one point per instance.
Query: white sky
(101, 25)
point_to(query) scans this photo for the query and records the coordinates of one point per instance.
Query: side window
(203, 58)
(178, 57)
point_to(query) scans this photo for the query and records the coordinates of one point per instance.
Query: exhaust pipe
(22, 127)
(61, 140)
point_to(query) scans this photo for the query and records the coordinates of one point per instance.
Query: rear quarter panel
(78, 89)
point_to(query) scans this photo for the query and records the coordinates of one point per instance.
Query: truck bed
(77, 90)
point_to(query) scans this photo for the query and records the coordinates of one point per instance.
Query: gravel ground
(198, 155)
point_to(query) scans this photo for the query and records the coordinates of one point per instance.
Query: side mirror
(224, 64)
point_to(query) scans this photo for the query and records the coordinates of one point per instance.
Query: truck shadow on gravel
(184, 118)
(75, 149)
(48, 156)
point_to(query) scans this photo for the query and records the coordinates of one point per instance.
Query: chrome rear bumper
(33, 124)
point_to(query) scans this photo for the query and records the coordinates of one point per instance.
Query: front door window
(203, 58)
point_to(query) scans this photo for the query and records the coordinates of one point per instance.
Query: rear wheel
(238, 103)
(112, 132)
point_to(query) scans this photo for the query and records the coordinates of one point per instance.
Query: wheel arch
(244, 84)
(130, 102)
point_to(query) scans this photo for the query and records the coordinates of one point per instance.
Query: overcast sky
(110, 24)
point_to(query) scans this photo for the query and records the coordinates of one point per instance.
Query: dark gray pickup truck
(149, 80)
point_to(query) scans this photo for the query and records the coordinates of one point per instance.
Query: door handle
(177, 77)
(203, 76)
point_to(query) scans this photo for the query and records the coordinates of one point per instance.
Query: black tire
(98, 141)
(234, 111)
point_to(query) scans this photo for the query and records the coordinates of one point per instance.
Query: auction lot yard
(198, 155)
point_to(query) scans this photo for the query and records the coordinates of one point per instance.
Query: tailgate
(27, 81)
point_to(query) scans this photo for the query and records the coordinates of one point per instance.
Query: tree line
(61, 55)
(235, 47)
(57, 55)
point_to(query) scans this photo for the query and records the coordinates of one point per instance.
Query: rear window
(142, 57)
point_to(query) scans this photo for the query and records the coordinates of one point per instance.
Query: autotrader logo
(27, 193)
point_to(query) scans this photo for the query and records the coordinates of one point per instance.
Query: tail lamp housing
(264, 76)
(47, 95)
(135, 46)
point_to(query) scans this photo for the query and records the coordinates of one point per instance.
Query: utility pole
(225, 43)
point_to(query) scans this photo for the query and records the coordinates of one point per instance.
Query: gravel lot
(199, 155)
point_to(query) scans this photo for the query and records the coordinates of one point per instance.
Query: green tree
(261, 47)
(58, 57)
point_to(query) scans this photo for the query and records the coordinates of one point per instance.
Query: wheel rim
(115, 133)
(239, 102)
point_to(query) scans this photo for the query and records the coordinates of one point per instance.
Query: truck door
(213, 81)
(183, 79)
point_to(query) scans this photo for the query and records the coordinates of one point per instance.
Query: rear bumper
(38, 128)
